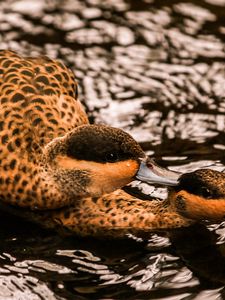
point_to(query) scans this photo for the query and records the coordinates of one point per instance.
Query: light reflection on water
(155, 69)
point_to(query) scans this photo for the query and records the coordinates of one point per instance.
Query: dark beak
(151, 173)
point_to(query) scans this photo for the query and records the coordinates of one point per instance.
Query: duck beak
(151, 173)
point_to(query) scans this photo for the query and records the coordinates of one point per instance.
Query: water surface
(155, 69)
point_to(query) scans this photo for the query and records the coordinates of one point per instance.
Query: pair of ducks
(60, 171)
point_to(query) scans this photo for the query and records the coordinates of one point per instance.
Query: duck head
(200, 195)
(93, 160)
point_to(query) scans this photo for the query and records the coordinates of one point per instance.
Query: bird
(200, 195)
(62, 172)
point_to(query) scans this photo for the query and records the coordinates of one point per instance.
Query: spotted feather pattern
(38, 102)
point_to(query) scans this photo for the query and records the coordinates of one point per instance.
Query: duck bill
(151, 173)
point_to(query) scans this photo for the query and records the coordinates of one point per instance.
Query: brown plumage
(60, 171)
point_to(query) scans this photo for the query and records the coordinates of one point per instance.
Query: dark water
(155, 69)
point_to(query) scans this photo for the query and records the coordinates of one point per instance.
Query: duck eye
(111, 157)
(205, 192)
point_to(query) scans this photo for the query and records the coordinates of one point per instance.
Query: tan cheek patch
(112, 176)
(197, 207)
(105, 177)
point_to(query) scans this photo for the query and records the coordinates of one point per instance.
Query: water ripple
(155, 69)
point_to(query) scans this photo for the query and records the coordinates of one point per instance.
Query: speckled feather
(40, 121)
(38, 102)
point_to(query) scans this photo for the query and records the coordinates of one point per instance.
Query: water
(155, 69)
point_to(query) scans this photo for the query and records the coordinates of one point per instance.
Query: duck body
(35, 95)
(58, 170)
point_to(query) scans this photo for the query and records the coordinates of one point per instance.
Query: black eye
(205, 192)
(111, 157)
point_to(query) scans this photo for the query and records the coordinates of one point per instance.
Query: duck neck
(139, 215)
(117, 214)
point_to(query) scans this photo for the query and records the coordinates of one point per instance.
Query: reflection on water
(155, 69)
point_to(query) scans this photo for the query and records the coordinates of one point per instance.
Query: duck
(200, 195)
(60, 171)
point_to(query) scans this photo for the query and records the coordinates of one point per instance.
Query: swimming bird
(58, 169)
(200, 195)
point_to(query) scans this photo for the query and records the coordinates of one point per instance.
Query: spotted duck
(59, 170)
